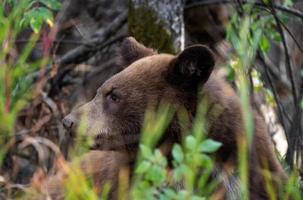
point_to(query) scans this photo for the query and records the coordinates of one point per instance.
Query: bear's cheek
(113, 108)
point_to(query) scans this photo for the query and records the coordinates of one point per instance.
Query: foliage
(37, 12)
(154, 180)
(250, 34)
(17, 70)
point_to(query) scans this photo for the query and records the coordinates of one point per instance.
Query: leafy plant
(16, 74)
(37, 12)
(249, 34)
(155, 179)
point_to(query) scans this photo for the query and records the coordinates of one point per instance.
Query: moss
(148, 29)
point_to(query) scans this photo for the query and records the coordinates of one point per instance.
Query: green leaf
(183, 194)
(36, 17)
(210, 146)
(276, 36)
(52, 4)
(35, 25)
(179, 172)
(230, 74)
(159, 158)
(284, 18)
(206, 161)
(264, 44)
(257, 36)
(156, 174)
(301, 104)
(177, 153)
(269, 97)
(190, 142)
(44, 14)
(146, 152)
(198, 198)
(143, 167)
(4, 24)
(169, 193)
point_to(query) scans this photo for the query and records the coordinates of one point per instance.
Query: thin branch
(78, 30)
(111, 41)
(55, 42)
(291, 35)
(198, 3)
(281, 110)
(276, 73)
(82, 53)
(85, 51)
(287, 57)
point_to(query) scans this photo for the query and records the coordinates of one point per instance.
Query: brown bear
(115, 116)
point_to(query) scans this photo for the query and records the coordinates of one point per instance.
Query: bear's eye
(113, 97)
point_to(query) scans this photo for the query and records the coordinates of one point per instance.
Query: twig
(100, 69)
(83, 52)
(78, 30)
(27, 141)
(55, 42)
(291, 35)
(257, 4)
(275, 73)
(296, 133)
(287, 58)
(281, 110)
(290, 150)
(56, 82)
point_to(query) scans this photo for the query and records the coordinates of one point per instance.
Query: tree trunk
(157, 24)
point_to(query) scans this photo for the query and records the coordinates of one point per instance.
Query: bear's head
(115, 116)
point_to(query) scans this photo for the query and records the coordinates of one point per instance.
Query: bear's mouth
(105, 141)
(102, 142)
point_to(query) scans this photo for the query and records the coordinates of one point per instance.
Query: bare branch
(198, 3)
(287, 57)
(83, 52)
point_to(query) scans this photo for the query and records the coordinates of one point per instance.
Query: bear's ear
(131, 50)
(192, 67)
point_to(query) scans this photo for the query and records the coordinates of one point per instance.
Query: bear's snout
(68, 122)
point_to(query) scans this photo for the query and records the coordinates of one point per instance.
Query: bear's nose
(68, 123)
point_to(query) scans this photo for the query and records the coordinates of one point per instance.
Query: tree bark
(157, 24)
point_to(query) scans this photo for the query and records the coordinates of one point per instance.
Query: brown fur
(115, 116)
(103, 167)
